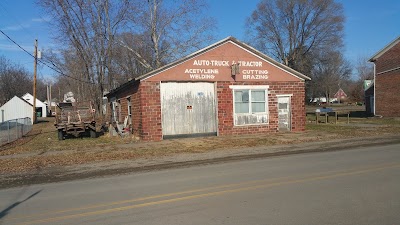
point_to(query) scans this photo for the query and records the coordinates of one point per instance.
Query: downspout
(374, 89)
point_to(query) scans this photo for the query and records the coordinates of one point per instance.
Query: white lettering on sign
(219, 63)
(204, 62)
(257, 72)
(201, 63)
(202, 71)
(250, 63)
(210, 73)
(255, 77)
(202, 76)
(212, 63)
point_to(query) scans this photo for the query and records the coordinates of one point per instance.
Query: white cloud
(41, 19)
(26, 25)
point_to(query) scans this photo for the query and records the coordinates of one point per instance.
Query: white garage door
(188, 109)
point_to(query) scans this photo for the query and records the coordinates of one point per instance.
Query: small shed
(16, 108)
(41, 107)
(387, 80)
(226, 88)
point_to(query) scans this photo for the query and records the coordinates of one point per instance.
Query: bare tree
(125, 62)
(290, 30)
(171, 29)
(88, 28)
(364, 69)
(14, 80)
(107, 42)
(330, 73)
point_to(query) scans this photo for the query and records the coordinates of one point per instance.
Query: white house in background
(15, 108)
(322, 100)
(40, 106)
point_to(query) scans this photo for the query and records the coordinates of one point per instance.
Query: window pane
(282, 106)
(238, 96)
(241, 107)
(242, 96)
(258, 96)
(257, 107)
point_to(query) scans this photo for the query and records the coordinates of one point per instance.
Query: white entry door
(284, 113)
(188, 109)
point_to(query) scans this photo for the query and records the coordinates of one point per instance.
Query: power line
(41, 61)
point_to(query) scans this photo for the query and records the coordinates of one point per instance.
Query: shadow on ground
(5, 211)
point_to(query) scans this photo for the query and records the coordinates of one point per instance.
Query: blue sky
(369, 27)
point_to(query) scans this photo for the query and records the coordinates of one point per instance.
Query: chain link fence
(12, 130)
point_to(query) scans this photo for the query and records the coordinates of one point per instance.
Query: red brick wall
(146, 108)
(136, 113)
(150, 110)
(389, 60)
(386, 94)
(225, 107)
(387, 84)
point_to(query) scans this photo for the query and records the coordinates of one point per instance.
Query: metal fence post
(16, 129)
(8, 131)
(25, 124)
(20, 126)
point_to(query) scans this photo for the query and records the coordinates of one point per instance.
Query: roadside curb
(198, 159)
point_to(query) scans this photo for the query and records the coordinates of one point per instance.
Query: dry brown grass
(41, 148)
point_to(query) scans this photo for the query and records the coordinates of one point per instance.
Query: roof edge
(225, 40)
(273, 61)
(144, 76)
(207, 48)
(384, 49)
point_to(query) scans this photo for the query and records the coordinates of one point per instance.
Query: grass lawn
(41, 147)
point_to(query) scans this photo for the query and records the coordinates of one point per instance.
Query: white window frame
(250, 88)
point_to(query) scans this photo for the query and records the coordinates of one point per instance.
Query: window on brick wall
(114, 108)
(129, 109)
(129, 106)
(250, 104)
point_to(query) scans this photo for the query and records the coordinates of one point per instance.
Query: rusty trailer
(76, 119)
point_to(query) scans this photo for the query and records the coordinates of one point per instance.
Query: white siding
(16, 108)
(39, 104)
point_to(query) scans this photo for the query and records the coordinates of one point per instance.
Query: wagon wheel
(93, 133)
(60, 135)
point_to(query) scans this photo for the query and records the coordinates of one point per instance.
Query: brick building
(387, 80)
(225, 88)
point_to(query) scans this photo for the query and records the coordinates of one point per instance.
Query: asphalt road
(359, 186)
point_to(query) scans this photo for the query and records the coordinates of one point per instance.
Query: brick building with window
(386, 81)
(225, 88)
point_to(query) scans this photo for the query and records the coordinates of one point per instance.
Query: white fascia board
(385, 49)
(250, 87)
(284, 95)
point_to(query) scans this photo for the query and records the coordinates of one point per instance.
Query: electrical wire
(54, 67)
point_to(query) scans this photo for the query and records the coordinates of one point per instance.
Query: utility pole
(34, 82)
(50, 100)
